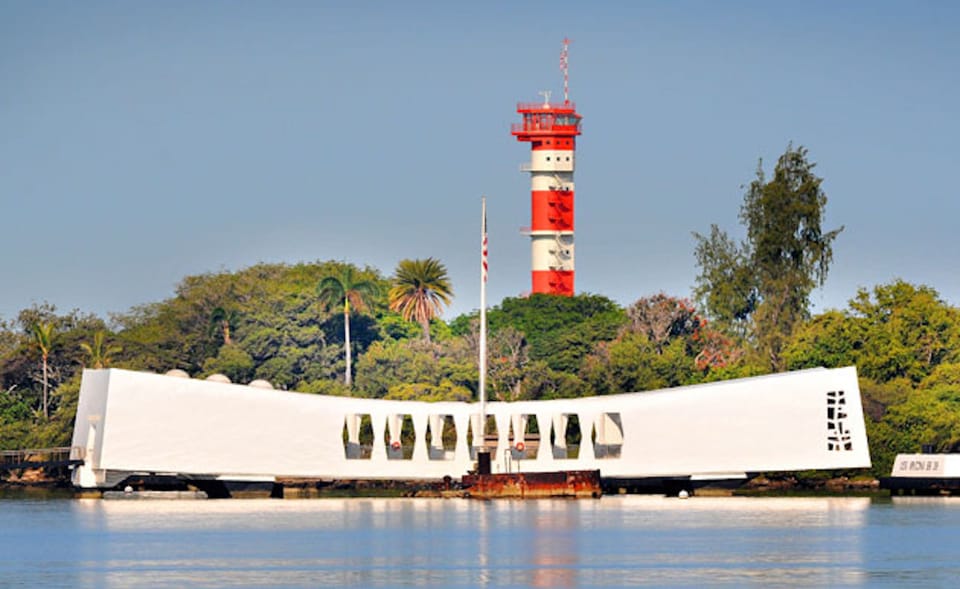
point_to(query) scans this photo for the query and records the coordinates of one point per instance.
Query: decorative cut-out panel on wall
(357, 436)
(524, 437)
(607, 436)
(838, 435)
(441, 437)
(565, 436)
(490, 444)
(399, 437)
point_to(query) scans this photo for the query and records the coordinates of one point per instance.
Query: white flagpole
(482, 384)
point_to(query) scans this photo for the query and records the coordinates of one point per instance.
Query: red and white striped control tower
(551, 128)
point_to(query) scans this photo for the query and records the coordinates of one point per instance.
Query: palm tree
(224, 321)
(43, 337)
(346, 288)
(100, 354)
(420, 289)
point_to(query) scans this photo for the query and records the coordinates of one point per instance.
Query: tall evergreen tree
(764, 284)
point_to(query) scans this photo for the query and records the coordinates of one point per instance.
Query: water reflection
(616, 541)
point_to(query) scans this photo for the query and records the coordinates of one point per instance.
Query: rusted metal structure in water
(579, 484)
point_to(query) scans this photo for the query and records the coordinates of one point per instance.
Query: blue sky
(142, 142)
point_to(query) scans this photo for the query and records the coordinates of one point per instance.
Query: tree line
(332, 327)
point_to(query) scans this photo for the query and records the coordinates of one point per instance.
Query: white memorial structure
(135, 423)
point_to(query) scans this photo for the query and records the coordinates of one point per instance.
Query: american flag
(483, 245)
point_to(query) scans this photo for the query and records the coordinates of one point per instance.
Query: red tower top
(542, 120)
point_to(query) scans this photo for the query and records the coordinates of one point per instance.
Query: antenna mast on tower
(565, 68)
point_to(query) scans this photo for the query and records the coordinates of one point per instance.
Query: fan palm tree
(345, 287)
(100, 354)
(420, 289)
(43, 334)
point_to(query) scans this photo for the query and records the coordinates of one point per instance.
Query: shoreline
(760, 486)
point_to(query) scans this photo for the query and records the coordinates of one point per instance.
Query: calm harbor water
(614, 541)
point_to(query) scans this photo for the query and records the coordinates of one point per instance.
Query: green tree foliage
(727, 285)
(420, 290)
(897, 330)
(8, 339)
(275, 318)
(348, 289)
(622, 366)
(23, 422)
(877, 396)
(393, 326)
(232, 362)
(325, 386)
(13, 408)
(20, 366)
(926, 416)
(511, 373)
(223, 321)
(664, 343)
(542, 382)
(58, 429)
(558, 330)
(445, 391)
(769, 277)
(99, 353)
(427, 365)
(944, 375)
(19, 429)
(831, 339)
(907, 331)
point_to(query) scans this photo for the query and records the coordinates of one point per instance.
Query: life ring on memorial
(520, 446)
(395, 445)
